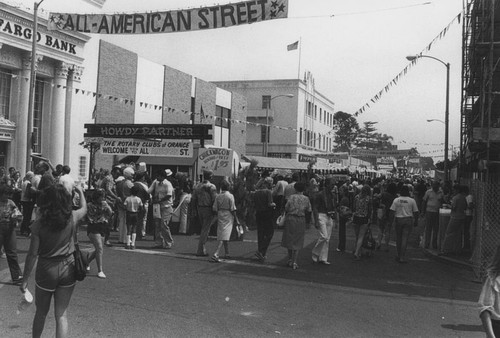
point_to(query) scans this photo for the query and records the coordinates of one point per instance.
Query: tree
(347, 129)
(368, 138)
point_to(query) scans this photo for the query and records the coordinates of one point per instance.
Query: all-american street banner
(172, 21)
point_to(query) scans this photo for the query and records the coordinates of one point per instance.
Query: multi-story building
(59, 60)
(299, 118)
(134, 90)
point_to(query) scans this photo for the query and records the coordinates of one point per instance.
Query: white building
(300, 118)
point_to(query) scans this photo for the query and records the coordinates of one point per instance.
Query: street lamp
(266, 141)
(31, 99)
(447, 109)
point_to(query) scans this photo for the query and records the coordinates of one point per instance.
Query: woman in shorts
(98, 215)
(52, 241)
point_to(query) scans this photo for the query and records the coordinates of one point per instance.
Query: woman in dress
(52, 241)
(295, 223)
(225, 208)
(361, 217)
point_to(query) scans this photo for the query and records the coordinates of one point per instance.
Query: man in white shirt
(162, 191)
(66, 180)
(405, 212)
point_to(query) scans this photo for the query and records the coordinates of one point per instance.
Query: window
(263, 134)
(300, 136)
(315, 112)
(320, 114)
(82, 166)
(37, 116)
(5, 79)
(222, 126)
(319, 141)
(266, 101)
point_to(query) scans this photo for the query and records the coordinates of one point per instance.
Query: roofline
(269, 80)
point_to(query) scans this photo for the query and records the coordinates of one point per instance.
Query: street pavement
(173, 293)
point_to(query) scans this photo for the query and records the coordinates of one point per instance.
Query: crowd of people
(125, 199)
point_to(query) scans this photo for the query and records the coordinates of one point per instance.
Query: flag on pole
(293, 46)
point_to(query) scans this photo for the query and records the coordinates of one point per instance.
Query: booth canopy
(276, 163)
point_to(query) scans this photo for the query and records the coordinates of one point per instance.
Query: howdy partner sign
(172, 21)
(170, 148)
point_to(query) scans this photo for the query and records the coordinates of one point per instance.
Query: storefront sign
(154, 131)
(169, 148)
(307, 158)
(378, 153)
(279, 155)
(218, 160)
(202, 18)
(17, 29)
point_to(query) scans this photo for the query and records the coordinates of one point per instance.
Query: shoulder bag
(80, 261)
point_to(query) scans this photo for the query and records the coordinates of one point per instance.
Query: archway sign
(147, 139)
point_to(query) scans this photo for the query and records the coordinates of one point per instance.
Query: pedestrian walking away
(405, 212)
(203, 199)
(323, 206)
(264, 215)
(52, 242)
(295, 224)
(225, 208)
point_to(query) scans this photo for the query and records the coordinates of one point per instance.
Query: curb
(447, 259)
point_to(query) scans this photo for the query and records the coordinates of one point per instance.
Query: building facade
(134, 90)
(298, 117)
(59, 67)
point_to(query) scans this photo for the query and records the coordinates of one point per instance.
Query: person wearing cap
(264, 210)
(203, 200)
(162, 191)
(123, 191)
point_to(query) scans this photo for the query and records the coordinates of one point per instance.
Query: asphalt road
(173, 293)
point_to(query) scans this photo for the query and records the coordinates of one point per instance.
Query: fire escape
(480, 114)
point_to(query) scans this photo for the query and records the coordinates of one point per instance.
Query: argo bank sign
(16, 29)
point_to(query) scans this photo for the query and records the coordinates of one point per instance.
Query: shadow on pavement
(463, 327)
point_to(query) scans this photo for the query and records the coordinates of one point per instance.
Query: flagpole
(300, 52)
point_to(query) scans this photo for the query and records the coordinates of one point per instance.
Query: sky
(352, 48)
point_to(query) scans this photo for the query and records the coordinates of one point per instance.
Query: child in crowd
(9, 216)
(133, 204)
(98, 215)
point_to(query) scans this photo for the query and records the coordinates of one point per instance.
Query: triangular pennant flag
(77, 90)
(83, 92)
(140, 104)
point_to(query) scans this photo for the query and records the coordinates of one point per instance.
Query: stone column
(74, 76)
(57, 117)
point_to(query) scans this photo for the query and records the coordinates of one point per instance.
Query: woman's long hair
(55, 207)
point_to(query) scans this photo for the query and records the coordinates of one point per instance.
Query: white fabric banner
(202, 18)
(171, 148)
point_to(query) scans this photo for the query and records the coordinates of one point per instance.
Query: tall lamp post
(31, 98)
(447, 109)
(266, 141)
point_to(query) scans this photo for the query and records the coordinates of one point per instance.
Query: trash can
(444, 219)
